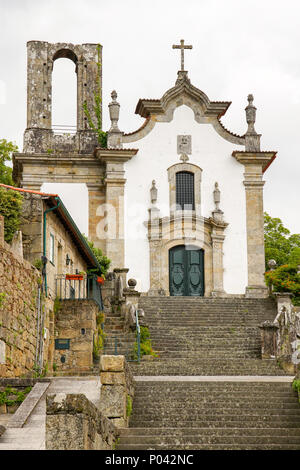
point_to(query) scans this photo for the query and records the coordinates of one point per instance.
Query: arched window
(185, 193)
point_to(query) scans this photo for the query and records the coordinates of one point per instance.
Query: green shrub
(145, 344)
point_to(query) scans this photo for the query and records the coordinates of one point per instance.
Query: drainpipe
(44, 239)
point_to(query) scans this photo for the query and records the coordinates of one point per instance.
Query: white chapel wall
(157, 152)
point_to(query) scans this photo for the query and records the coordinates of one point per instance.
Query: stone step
(211, 447)
(192, 431)
(169, 440)
(224, 422)
(187, 366)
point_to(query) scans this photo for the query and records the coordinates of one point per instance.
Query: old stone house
(64, 301)
(183, 209)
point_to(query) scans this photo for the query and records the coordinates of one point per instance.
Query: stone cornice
(263, 159)
(114, 155)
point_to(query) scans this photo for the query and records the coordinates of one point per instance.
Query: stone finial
(217, 196)
(114, 111)
(252, 138)
(272, 264)
(114, 135)
(153, 192)
(250, 115)
(217, 213)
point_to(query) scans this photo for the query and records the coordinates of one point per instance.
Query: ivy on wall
(10, 208)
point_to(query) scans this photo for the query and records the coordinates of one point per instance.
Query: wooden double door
(186, 271)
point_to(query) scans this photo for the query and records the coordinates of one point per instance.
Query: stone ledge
(25, 409)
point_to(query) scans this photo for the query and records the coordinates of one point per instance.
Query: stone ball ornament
(272, 263)
(132, 283)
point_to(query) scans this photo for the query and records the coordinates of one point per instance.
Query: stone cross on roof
(182, 47)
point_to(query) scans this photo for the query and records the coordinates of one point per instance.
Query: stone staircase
(201, 336)
(117, 341)
(209, 387)
(213, 416)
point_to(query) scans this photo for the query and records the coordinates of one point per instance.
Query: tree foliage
(285, 278)
(284, 248)
(6, 150)
(10, 208)
(102, 259)
(280, 245)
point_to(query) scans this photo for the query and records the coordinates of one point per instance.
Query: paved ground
(32, 435)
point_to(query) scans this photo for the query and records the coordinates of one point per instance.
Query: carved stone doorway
(186, 271)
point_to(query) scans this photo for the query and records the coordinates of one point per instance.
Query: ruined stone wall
(74, 423)
(18, 313)
(75, 320)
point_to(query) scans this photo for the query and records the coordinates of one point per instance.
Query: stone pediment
(183, 93)
(183, 88)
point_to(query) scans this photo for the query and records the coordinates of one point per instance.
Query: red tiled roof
(27, 190)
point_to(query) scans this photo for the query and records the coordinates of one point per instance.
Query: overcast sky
(239, 47)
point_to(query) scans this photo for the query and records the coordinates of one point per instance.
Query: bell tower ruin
(50, 156)
(39, 136)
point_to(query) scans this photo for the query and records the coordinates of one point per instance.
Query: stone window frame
(197, 172)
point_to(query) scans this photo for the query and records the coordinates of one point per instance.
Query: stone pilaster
(114, 182)
(255, 164)
(217, 259)
(96, 194)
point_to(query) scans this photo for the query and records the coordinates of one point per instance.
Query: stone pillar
(284, 299)
(38, 86)
(255, 164)
(117, 389)
(268, 340)
(89, 82)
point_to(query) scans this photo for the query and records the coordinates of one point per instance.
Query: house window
(51, 252)
(185, 194)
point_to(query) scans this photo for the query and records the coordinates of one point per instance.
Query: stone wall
(75, 320)
(18, 313)
(74, 423)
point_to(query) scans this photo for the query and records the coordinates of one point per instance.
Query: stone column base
(218, 293)
(157, 292)
(256, 292)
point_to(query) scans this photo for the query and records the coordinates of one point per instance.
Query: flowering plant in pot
(100, 279)
(74, 277)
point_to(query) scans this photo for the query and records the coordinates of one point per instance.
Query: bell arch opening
(64, 92)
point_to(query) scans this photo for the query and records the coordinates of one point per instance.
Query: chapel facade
(179, 201)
